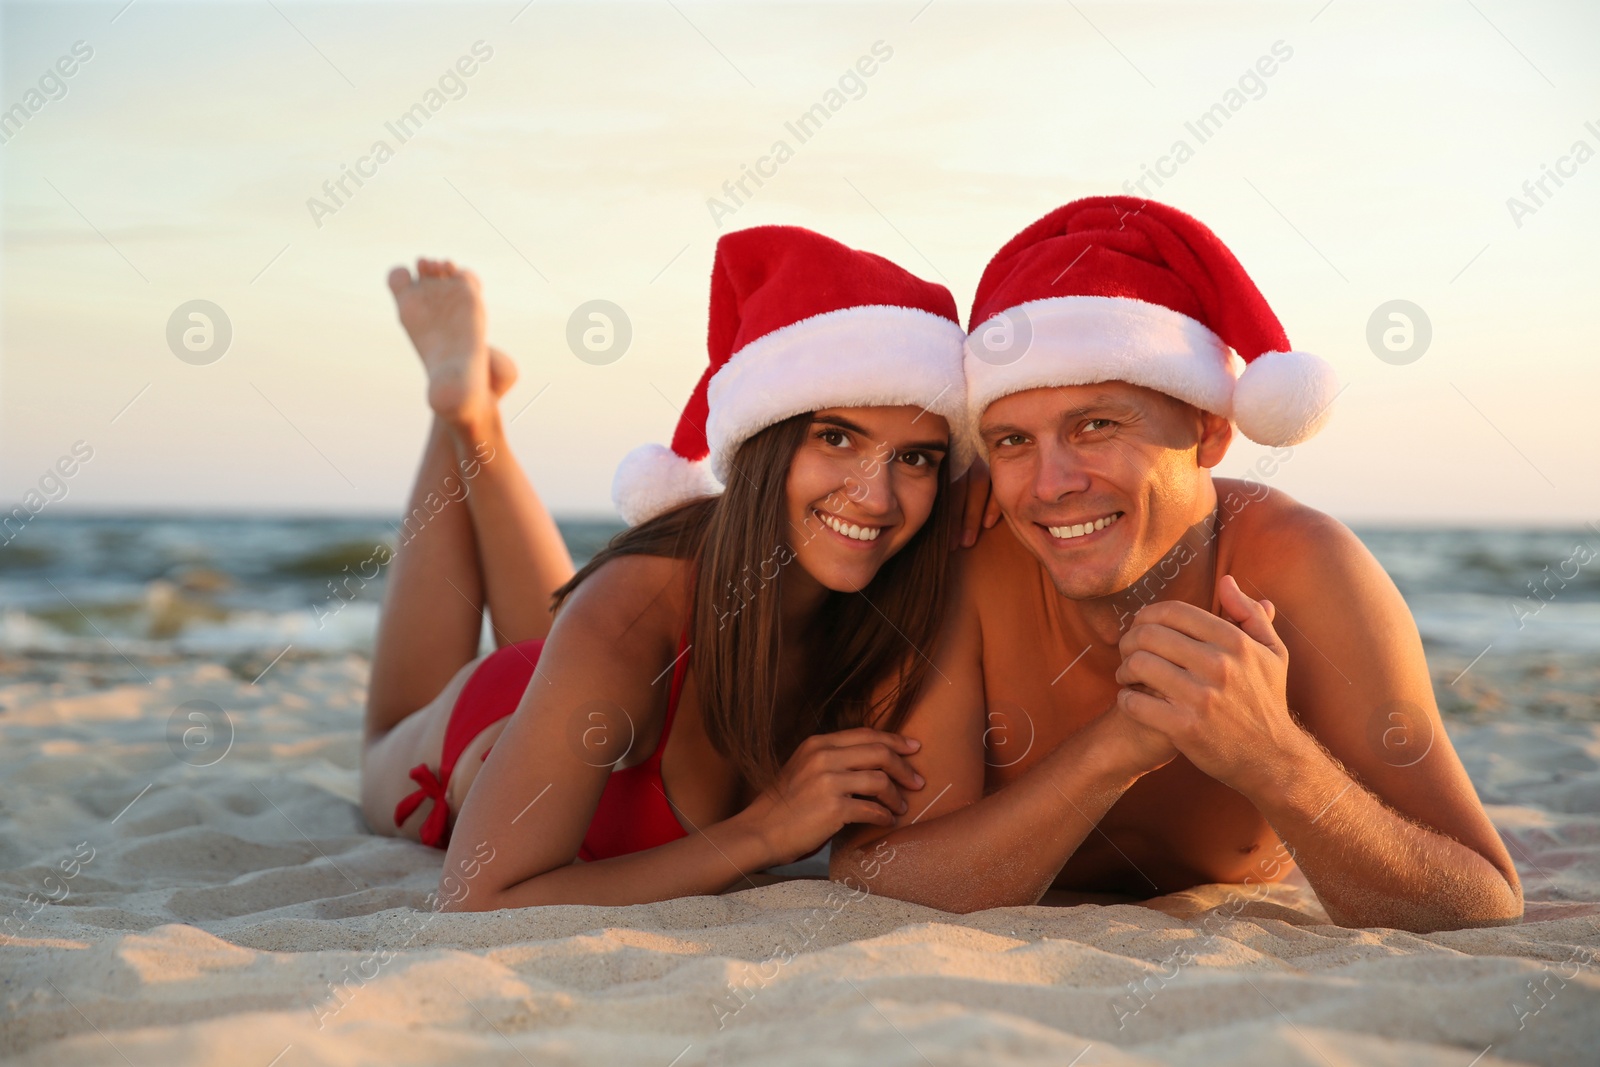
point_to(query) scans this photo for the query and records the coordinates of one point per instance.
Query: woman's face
(860, 486)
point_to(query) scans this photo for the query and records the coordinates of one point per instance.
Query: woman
(693, 713)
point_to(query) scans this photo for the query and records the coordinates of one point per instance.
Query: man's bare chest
(1038, 693)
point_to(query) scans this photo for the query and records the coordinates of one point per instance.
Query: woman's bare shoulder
(637, 601)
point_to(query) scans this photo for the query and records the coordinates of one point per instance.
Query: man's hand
(1216, 689)
(1133, 747)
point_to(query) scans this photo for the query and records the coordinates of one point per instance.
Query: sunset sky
(579, 159)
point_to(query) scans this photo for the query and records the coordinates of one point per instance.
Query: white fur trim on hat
(1080, 340)
(653, 479)
(1283, 398)
(870, 356)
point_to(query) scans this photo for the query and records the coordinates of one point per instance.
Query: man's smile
(1069, 531)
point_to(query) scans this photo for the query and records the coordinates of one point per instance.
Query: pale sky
(1374, 164)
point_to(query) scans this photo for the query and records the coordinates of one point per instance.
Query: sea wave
(230, 587)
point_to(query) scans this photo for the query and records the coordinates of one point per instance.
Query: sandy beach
(197, 898)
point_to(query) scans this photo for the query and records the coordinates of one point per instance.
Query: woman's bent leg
(520, 550)
(432, 612)
(470, 497)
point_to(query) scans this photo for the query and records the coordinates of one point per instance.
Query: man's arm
(972, 852)
(1365, 789)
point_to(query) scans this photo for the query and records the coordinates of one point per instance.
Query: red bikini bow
(433, 827)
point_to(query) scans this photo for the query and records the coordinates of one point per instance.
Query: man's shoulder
(1284, 546)
(1255, 511)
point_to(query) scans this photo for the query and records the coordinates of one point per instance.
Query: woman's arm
(718, 858)
(601, 675)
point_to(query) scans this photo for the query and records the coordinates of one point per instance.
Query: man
(1152, 679)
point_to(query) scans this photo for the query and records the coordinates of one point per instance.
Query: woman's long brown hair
(737, 545)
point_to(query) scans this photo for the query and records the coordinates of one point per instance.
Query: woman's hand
(975, 506)
(832, 780)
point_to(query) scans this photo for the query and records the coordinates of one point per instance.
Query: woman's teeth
(1065, 532)
(859, 533)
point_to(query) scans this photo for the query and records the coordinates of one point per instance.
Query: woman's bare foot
(442, 310)
(502, 372)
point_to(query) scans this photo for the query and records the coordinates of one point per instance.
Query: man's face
(1100, 481)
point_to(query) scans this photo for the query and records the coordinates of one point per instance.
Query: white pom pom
(653, 479)
(1283, 398)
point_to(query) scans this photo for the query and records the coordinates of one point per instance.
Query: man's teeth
(850, 529)
(1082, 528)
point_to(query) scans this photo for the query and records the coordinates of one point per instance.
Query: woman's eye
(833, 437)
(917, 459)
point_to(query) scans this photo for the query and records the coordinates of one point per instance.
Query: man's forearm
(1371, 866)
(1003, 850)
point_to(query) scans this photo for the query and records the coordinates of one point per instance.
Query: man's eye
(1098, 426)
(1010, 439)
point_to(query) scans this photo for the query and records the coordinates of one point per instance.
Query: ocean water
(191, 586)
(252, 588)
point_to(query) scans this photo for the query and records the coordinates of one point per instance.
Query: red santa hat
(1114, 288)
(800, 322)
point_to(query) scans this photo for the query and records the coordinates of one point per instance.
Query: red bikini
(634, 813)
